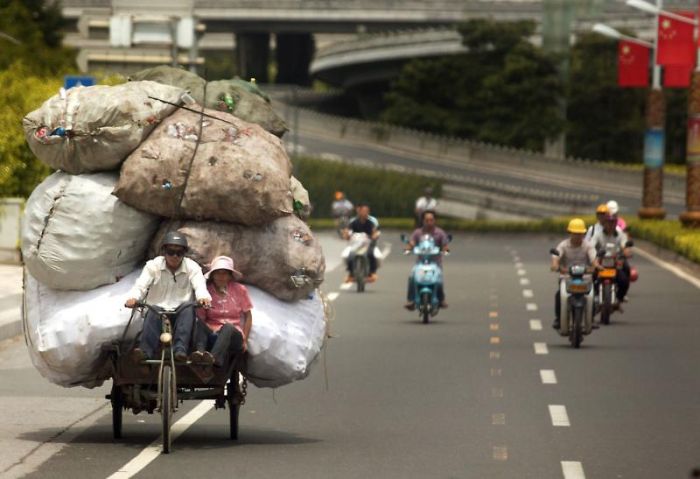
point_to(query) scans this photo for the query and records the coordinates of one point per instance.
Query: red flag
(676, 41)
(677, 76)
(632, 64)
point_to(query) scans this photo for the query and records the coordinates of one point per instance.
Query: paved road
(463, 397)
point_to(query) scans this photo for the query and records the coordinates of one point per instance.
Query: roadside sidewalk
(10, 301)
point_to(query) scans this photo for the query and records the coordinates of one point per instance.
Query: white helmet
(613, 207)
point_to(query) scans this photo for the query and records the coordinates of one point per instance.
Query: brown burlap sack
(282, 257)
(229, 170)
(94, 128)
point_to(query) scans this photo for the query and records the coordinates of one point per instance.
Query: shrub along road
(486, 390)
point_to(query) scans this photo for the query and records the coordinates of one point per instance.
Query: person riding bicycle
(168, 281)
(611, 234)
(574, 250)
(364, 223)
(441, 239)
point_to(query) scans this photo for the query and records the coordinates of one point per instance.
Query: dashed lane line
(346, 286)
(559, 416)
(521, 272)
(519, 265)
(541, 348)
(548, 376)
(535, 325)
(500, 453)
(531, 306)
(524, 282)
(153, 450)
(572, 470)
(527, 293)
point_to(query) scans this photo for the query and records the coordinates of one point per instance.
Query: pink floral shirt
(227, 308)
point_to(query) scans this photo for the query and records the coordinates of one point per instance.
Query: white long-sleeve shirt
(167, 289)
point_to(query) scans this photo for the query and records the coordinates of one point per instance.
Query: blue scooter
(427, 276)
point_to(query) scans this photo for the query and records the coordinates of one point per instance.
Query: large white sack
(95, 128)
(77, 235)
(65, 330)
(285, 339)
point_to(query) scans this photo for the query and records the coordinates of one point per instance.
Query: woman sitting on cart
(168, 281)
(223, 329)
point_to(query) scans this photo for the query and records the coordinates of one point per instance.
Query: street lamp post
(691, 217)
(653, 183)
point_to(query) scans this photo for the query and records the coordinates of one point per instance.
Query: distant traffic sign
(69, 81)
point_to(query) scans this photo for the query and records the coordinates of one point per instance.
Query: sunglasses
(175, 252)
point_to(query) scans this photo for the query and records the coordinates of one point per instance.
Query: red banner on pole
(677, 76)
(632, 64)
(676, 44)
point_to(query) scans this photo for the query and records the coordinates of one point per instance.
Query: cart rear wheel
(166, 411)
(117, 399)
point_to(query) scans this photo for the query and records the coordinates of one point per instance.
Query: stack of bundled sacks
(135, 161)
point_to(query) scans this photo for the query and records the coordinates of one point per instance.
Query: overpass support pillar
(253, 56)
(294, 54)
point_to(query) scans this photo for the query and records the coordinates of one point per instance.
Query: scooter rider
(612, 234)
(364, 223)
(600, 212)
(441, 239)
(574, 250)
(341, 207)
(168, 281)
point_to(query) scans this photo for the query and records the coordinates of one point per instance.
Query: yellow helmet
(601, 209)
(576, 225)
(339, 195)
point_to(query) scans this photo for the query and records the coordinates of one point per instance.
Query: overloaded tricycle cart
(161, 384)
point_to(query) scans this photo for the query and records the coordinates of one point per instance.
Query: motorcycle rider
(364, 223)
(341, 208)
(574, 250)
(614, 209)
(424, 203)
(168, 281)
(611, 233)
(441, 239)
(600, 212)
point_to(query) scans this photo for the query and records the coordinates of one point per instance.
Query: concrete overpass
(292, 28)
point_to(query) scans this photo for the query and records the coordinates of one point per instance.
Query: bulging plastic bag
(282, 257)
(215, 167)
(95, 128)
(77, 235)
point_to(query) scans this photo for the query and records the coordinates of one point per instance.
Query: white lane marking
(548, 376)
(498, 419)
(669, 267)
(500, 453)
(524, 282)
(559, 416)
(521, 272)
(333, 296)
(531, 306)
(527, 293)
(519, 265)
(572, 470)
(516, 257)
(541, 348)
(153, 450)
(345, 286)
(536, 325)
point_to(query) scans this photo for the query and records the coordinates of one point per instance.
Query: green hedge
(389, 193)
(669, 234)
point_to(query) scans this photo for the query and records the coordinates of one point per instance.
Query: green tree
(503, 90)
(605, 122)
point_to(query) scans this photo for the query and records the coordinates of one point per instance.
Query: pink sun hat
(225, 263)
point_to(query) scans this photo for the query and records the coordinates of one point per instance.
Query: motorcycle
(427, 276)
(341, 223)
(606, 284)
(357, 253)
(576, 290)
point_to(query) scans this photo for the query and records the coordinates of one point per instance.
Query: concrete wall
(11, 210)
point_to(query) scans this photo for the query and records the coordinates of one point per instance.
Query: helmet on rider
(601, 209)
(576, 226)
(339, 195)
(175, 239)
(613, 207)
